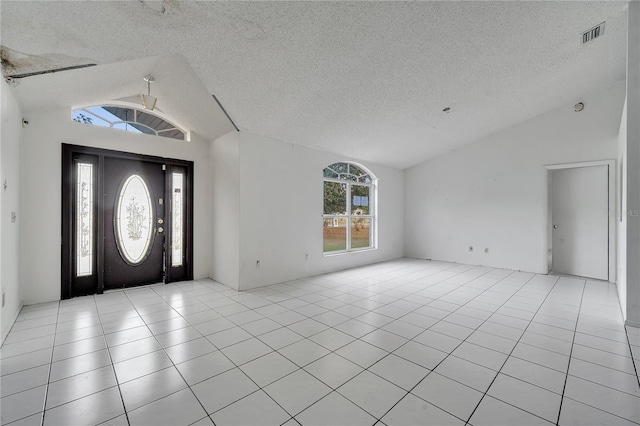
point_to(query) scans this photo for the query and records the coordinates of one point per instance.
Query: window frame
(349, 216)
(115, 124)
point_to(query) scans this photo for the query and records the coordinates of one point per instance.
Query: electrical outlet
(257, 263)
(486, 250)
(470, 248)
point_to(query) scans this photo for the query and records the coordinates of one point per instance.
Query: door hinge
(164, 167)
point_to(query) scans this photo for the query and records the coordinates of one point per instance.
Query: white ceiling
(363, 79)
(182, 98)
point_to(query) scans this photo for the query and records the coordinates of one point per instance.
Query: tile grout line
(410, 340)
(633, 360)
(97, 368)
(626, 332)
(452, 266)
(17, 322)
(46, 392)
(164, 351)
(355, 291)
(51, 362)
(225, 355)
(413, 340)
(302, 336)
(292, 417)
(510, 354)
(334, 351)
(367, 369)
(566, 377)
(260, 388)
(133, 305)
(113, 368)
(587, 380)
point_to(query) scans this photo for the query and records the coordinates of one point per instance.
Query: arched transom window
(128, 119)
(349, 208)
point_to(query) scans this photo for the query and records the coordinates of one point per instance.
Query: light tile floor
(405, 342)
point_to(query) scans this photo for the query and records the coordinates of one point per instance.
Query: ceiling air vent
(593, 33)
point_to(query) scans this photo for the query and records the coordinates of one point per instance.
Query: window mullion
(345, 180)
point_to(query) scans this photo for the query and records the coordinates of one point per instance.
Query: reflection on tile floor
(405, 342)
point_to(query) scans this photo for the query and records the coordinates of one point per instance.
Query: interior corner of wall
(7, 327)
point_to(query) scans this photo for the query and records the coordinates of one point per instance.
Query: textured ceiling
(182, 98)
(363, 79)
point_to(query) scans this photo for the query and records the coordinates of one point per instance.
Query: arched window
(128, 119)
(349, 208)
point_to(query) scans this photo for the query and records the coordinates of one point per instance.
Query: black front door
(134, 216)
(127, 220)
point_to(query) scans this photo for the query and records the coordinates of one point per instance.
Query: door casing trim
(67, 205)
(611, 196)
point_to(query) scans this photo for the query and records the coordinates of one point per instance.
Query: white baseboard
(632, 323)
(39, 301)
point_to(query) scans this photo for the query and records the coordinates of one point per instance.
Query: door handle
(555, 226)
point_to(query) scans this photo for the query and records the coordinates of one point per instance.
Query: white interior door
(580, 243)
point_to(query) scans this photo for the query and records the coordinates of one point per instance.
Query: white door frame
(611, 213)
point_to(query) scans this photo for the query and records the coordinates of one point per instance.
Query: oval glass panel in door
(134, 220)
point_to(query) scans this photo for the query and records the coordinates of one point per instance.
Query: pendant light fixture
(148, 101)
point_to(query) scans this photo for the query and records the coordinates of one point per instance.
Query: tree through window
(128, 119)
(349, 210)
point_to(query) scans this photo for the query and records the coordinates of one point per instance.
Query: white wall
(621, 215)
(493, 193)
(633, 166)
(41, 192)
(225, 173)
(11, 141)
(280, 202)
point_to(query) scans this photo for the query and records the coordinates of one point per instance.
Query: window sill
(342, 253)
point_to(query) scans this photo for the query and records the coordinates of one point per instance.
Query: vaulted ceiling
(367, 80)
